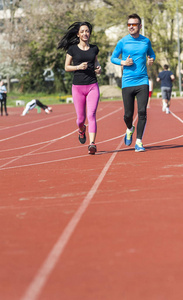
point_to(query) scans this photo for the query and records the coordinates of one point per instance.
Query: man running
(166, 77)
(135, 49)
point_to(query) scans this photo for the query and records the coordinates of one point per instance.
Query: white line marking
(58, 150)
(2, 167)
(21, 156)
(53, 139)
(164, 141)
(75, 157)
(80, 156)
(177, 117)
(49, 264)
(36, 121)
(27, 154)
(36, 129)
(44, 162)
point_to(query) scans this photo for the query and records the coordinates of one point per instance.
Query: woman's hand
(98, 70)
(82, 66)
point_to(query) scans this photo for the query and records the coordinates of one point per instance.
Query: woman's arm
(70, 68)
(97, 66)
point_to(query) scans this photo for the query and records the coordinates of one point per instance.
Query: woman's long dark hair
(71, 38)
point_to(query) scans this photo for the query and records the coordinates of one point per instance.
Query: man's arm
(115, 57)
(150, 55)
(172, 77)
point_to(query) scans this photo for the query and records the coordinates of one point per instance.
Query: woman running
(81, 58)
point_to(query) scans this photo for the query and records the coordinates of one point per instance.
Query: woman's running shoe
(82, 135)
(92, 148)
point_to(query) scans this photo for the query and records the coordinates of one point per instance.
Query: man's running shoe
(128, 136)
(167, 111)
(82, 135)
(50, 108)
(139, 147)
(164, 107)
(92, 148)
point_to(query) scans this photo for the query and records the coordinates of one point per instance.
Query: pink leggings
(86, 96)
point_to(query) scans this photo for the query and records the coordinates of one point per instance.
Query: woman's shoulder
(94, 48)
(72, 48)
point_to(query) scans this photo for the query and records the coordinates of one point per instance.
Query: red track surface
(80, 227)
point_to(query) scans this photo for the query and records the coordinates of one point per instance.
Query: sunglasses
(132, 24)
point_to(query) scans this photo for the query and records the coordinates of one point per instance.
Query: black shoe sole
(83, 139)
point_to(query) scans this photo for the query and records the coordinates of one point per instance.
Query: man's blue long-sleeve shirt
(138, 49)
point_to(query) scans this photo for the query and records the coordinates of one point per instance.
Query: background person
(150, 91)
(3, 97)
(33, 103)
(81, 58)
(166, 77)
(135, 49)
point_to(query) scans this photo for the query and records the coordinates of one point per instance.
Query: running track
(81, 227)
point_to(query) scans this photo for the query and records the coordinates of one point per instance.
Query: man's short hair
(166, 67)
(134, 16)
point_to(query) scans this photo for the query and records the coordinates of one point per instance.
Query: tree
(160, 19)
(32, 30)
(33, 39)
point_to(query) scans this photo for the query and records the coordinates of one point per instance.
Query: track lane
(40, 206)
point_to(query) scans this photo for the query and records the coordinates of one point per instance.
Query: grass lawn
(48, 99)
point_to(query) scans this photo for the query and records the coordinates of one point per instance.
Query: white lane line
(33, 130)
(24, 155)
(3, 167)
(49, 264)
(59, 150)
(44, 162)
(164, 141)
(176, 117)
(53, 139)
(81, 156)
(36, 121)
(31, 152)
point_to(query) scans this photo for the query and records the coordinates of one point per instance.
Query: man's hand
(129, 61)
(150, 60)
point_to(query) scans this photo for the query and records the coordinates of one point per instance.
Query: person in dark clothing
(166, 77)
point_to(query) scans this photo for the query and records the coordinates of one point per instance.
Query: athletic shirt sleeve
(116, 53)
(88, 76)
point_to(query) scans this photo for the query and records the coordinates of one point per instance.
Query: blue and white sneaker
(128, 136)
(139, 147)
